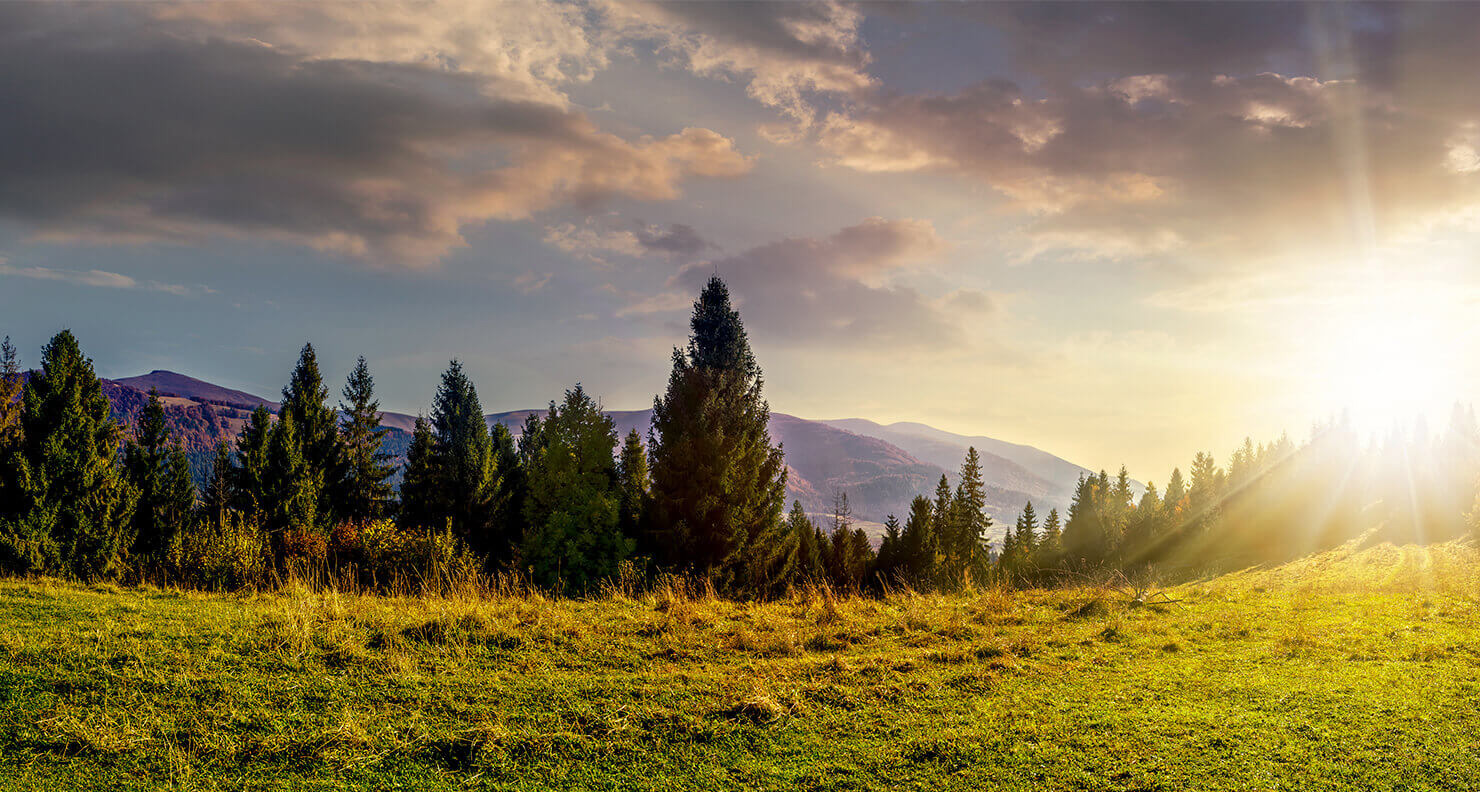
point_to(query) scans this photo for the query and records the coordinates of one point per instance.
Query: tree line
(571, 505)
(566, 501)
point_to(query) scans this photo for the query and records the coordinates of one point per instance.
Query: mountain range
(880, 467)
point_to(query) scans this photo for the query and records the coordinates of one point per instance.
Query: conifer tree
(152, 464)
(943, 529)
(1204, 489)
(69, 509)
(1050, 546)
(1084, 532)
(717, 482)
(809, 566)
(316, 438)
(887, 563)
(969, 551)
(422, 503)
(219, 495)
(632, 471)
(11, 382)
(292, 485)
(464, 452)
(1027, 529)
(575, 539)
(861, 558)
(362, 492)
(1173, 501)
(510, 490)
(250, 476)
(1145, 528)
(918, 543)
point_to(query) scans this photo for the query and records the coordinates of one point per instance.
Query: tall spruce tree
(11, 383)
(252, 497)
(809, 565)
(510, 491)
(422, 503)
(969, 554)
(887, 563)
(632, 472)
(362, 492)
(574, 540)
(717, 482)
(153, 465)
(220, 494)
(69, 509)
(1051, 545)
(292, 485)
(918, 543)
(464, 452)
(316, 438)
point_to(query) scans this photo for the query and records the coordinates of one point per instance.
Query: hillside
(1348, 671)
(881, 468)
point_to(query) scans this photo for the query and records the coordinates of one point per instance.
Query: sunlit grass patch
(1350, 670)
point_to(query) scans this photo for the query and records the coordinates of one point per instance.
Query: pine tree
(1051, 546)
(1145, 528)
(809, 566)
(1173, 501)
(632, 471)
(292, 484)
(362, 492)
(510, 491)
(717, 482)
(918, 543)
(11, 383)
(151, 463)
(1084, 533)
(68, 510)
(1204, 490)
(969, 551)
(464, 452)
(250, 477)
(887, 563)
(943, 528)
(1027, 528)
(220, 492)
(422, 503)
(575, 539)
(316, 438)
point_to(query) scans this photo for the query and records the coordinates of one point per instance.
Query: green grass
(1352, 670)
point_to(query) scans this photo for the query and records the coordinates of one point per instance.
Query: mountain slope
(1035, 472)
(170, 383)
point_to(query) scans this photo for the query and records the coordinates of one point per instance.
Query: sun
(1384, 361)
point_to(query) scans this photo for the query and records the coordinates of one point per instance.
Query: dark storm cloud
(117, 130)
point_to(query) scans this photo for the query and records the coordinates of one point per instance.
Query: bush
(222, 554)
(382, 555)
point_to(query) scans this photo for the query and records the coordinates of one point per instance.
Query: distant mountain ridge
(882, 468)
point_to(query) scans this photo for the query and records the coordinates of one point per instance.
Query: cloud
(1222, 170)
(531, 282)
(787, 54)
(98, 278)
(830, 291)
(523, 51)
(138, 131)
(598, 236)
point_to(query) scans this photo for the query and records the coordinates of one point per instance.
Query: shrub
(381, 554)
(228, 553)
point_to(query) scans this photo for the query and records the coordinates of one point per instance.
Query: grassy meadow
(1356, 669)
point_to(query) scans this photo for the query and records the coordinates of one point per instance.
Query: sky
(1121, 233)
